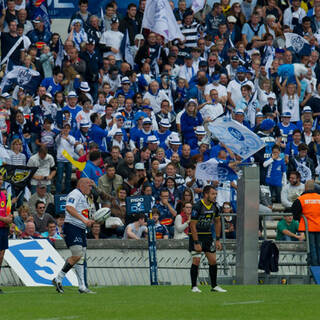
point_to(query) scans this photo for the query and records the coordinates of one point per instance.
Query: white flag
(296, 42)
(197, 5)
(158, 17)
(304, 171)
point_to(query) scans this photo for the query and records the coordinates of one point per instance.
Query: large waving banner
(237, 137)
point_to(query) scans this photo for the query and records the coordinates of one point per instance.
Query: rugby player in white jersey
(76, 222)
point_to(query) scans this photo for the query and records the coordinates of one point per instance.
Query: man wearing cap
(174, 145)
(142, 136)
(286, 128)
(125, 88)
(166, 113)
(163, 132)
(41, 194)
(234, 86)
(72, 107)
(92, 59)
(110, 40)
(82, 134)
(187, 71)
(232, 67)
(39, 36)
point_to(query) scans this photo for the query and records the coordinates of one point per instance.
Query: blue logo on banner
(138, 204)
(40, 266)
(236, 133)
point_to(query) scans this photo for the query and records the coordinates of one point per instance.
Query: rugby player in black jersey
(200, 237)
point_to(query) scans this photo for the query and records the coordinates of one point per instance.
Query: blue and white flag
(60, 54)
(158, 17)
(237, 137)
(197, 5)
(297, 44)
(304, 171)
(214, 170)
(126, 49)
(26, 78)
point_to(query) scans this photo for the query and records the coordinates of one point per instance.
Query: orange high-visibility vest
(310, 203)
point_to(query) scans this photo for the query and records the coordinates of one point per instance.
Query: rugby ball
(102, 215)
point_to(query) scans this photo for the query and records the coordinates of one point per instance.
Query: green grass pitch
(260, 302)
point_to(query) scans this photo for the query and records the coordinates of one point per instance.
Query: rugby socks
(79, 269)
(213, 275)
(194, 275)
(67, 266)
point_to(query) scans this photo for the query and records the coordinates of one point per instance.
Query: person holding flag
(5, 219)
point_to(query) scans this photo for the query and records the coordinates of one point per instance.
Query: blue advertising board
(138, 204)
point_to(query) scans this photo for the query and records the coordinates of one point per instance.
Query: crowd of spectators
(142, 128)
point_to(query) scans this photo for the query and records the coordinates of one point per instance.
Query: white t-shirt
(64, 144)
(77, 200)
(43, 165)
(83, 117)
(234, 87)
(212, 111)
(138, 232)
(222, 90)
(291, 105)
(112, 39)
(155, 100)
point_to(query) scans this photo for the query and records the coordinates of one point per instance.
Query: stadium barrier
(126, 262)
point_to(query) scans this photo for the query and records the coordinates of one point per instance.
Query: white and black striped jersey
(191, 34)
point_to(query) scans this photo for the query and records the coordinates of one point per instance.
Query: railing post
(247, 227)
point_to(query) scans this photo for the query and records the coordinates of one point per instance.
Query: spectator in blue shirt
(252, 28)
(276, 168)
(97, 134)
(73, 108)
(53, 84)
(92, 169)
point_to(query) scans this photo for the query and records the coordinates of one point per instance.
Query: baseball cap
(139, 166)
(118, 132)
(188, 56)
(241, 69)
(147, 107)
(259, 114)
(91, 41)
(267, 124)
(235, 58)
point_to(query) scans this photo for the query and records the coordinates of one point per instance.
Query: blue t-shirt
(51, 86)
(91, 171)
(247, 30)
(275, 171)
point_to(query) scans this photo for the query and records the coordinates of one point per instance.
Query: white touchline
(59, 318)
(242, 302)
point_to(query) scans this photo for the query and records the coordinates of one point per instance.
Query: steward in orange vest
(308, 204)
